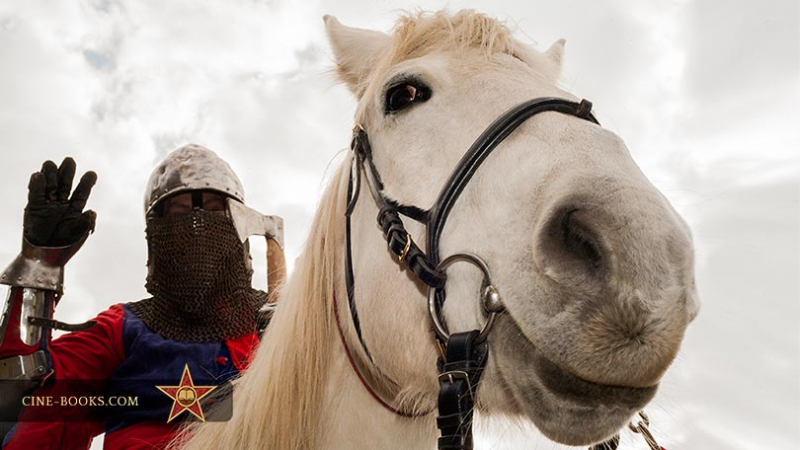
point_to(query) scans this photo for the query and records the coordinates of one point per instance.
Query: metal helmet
(193, 167)
(189, 168)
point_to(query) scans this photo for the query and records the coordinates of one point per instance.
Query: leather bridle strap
(398, 239)
(460, 373)
(494, 134)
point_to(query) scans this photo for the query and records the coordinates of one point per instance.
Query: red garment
(95, 354)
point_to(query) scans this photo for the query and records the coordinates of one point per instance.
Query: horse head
(594, 266)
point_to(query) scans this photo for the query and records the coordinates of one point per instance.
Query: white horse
(594, 265)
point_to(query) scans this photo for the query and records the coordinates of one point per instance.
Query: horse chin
(565, 408)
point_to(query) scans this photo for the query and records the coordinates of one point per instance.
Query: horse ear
(556, 52)
(548, 62)
(355, 50)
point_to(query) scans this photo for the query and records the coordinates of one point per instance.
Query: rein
(361, 373)
(463, 354)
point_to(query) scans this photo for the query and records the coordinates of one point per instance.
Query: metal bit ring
(490, 297)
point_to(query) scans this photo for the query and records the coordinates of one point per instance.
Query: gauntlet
(54, 229)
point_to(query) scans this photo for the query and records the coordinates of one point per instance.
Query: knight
(202, 317)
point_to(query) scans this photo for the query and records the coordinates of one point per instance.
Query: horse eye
(403, 95)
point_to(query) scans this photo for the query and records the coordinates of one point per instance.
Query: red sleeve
(92, 354)
(242, 349)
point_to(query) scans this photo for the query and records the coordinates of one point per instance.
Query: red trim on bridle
(361, 377)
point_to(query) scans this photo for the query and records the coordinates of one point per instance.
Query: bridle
(463, 354)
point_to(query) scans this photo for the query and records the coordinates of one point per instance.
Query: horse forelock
(421, 33)
(277, 402)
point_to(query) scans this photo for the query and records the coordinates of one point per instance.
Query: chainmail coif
(199, 279)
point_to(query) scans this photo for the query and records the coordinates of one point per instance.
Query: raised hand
(53, 218)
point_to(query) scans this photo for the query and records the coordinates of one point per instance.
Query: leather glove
(52, 217)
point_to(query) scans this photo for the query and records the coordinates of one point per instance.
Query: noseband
(463, 354)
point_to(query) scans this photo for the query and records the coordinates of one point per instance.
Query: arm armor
(36, 280)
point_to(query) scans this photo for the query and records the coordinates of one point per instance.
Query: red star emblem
(186, 396)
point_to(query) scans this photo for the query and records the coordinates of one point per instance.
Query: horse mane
(277, 401)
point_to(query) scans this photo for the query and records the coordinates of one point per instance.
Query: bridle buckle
(402, 255)
(454, 375)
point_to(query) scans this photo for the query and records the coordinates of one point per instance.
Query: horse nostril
(579, 240)
(569, 245)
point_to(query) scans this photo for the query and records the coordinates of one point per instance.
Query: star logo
(186, 396)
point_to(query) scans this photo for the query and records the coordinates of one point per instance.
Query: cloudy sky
(705, 93)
